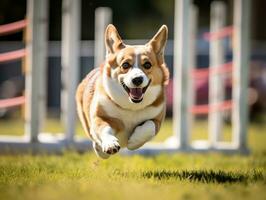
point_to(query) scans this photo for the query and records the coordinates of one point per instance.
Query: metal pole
(181, 66)
(103, 17)
(70, 63)
(216, 81)
(36, 44)
(241, 52)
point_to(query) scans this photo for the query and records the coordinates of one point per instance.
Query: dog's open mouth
(135, 94)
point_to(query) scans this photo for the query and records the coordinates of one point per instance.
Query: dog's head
(137, 72)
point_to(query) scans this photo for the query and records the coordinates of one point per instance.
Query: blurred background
(138, 19)
(84, 176)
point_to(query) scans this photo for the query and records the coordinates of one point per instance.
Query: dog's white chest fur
(130, 118)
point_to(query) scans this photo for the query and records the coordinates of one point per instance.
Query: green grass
(178, 176)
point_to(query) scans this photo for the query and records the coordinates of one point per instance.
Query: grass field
(179, 176)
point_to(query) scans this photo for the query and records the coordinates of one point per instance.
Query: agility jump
(36, 53)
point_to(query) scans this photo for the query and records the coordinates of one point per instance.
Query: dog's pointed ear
(158, 41)
(113, 41)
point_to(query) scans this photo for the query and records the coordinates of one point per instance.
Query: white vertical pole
(44, 72)
(103, 17)
(181, 66)
(216, 81)
(192, 64)
(36, 44)
(70, 63)
(241, 53)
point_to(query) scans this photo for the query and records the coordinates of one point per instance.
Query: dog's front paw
(141, 135)
(99, 152)
(110, 144)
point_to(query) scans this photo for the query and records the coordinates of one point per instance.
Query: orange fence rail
(11, 102)
(13, 55)
(224, 32)
(206, 108)
(204, 73)
(12, 27)
(10, 56)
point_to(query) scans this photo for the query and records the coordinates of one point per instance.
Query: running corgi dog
(122, 103)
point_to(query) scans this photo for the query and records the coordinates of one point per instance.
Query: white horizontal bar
(47, 144)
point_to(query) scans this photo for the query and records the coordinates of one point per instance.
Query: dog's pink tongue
(136, 93)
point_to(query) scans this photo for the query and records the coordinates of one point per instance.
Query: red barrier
(205, 109)
(204, 73)
(13, 27)
(222, 33)
(16, 101)
(12, 55)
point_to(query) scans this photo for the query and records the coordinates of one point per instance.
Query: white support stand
(181, 67)
(37, 14)
(241, 52)
(216, 81)
(193, 29)
(103, 17)
(70, 64)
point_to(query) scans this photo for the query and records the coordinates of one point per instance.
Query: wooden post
(193, 29)
(36, 45)
(103, 17)
(216, 81)
(241, 53)
(181, 66)
(70, 64)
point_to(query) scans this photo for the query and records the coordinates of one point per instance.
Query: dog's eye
(147, 65)
(126, 65)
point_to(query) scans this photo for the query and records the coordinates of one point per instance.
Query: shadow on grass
(205, 176)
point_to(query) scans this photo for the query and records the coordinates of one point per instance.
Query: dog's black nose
(137, 80)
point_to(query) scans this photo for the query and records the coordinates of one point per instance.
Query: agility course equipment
(70, 64)
(12, 56)
(181, 139)
(184, 63)
(103, 17)
(36, 66)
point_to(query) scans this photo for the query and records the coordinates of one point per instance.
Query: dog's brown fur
(96, 106)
